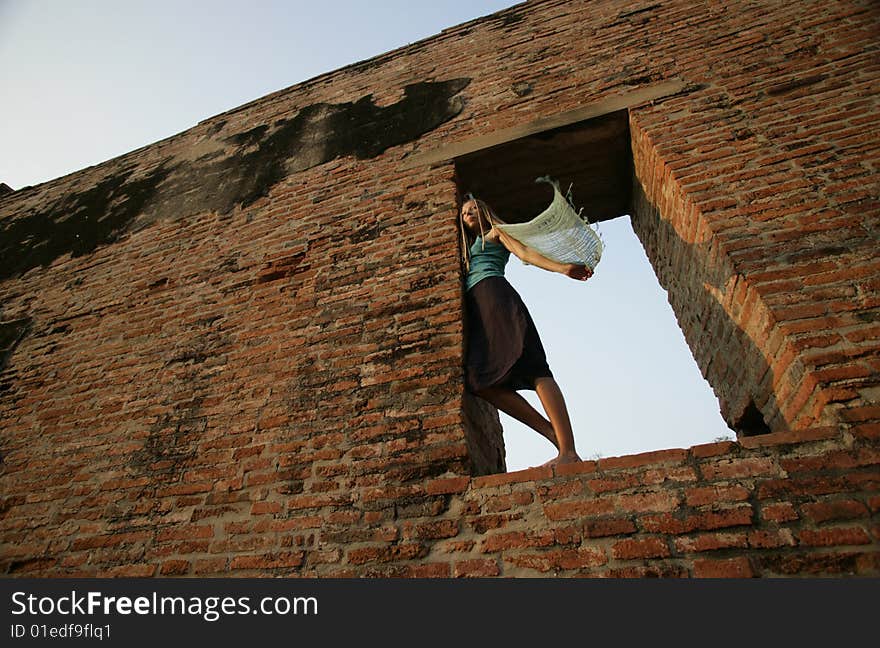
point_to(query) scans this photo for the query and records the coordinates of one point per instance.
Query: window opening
(609, 343)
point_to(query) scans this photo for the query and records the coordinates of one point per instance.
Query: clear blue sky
(86, 81)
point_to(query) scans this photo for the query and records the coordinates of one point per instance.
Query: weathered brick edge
(802, 504)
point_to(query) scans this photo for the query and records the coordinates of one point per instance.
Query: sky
(88, 80)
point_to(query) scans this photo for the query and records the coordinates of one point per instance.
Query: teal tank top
(488, 262)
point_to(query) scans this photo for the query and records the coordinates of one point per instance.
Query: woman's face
(470, 216)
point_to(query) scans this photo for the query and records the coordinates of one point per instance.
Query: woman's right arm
(533, 257)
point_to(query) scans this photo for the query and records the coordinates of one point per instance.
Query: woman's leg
(554, 404)
(512, 404)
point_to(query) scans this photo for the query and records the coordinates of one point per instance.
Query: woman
(504, 352)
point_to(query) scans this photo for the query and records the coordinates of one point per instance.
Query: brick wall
(238, 351)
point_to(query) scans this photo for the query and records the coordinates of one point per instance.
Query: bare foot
(563, 458)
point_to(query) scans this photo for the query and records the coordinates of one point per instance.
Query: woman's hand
(579, 272)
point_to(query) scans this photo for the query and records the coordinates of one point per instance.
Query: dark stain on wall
(242, 170)
(75, 223)
(511, 18)
(323, 132)
(11, 333)
(187, 378)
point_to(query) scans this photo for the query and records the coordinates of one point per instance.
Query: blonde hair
(484, 213)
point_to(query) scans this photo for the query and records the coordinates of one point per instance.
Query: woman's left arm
(533, 257)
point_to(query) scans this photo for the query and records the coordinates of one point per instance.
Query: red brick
(847, 372)
(663, 523)
(517, 540)
(829, 537)
(129, 571)
(732, 468)
(174, 567)
(608, 527)
(564, 490)
(268, 561)
(618, 482)
(713, 449)
(530, 474)
(872, 333)
(180, 548)
(455, 546)
(632, 548)
(506, 502)
(110, 540)
(561, 559)
(369, 554)
(793, 486)
(389, 493)
(243, 453)
(835, 460)
(578, 509)
(318, 501)
(567, 535)
(350, 535)
(311, 522)
(770, 539)
(710, 542)
(791, 436)
(732, 568)
(192, 532)
(325, 557)
(576, 468)
(260, 508)
(866, 430)
(483, 523)
(430, 570)
(408, 551)
(862, 480)
(209, 566)
(339, 573)
(273, 421)
(642, 571)
(781, 512)
(184, 489)
(666, 523)
(711, 494)
(667, 475)
(439, 421)
(859, 414)
(740, 515)
(449, 485)
(432, 530)
(644, 459)
(481, 568)
(642, 502)
(834, 510)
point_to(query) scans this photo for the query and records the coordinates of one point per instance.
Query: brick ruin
(238, 351)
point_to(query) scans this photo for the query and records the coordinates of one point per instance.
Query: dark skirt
(503, 348)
